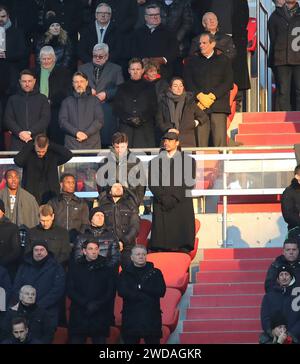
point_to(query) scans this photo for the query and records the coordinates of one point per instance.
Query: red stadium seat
(145, 228)
(169, 306)
(174, 266)
(252, 40)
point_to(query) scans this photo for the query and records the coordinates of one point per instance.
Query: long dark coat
(136, 99)
(290, 204)
(190, 113)
(141, 315)
(91, 284)
(173, 225)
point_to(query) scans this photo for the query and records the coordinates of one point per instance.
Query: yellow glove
(212, 96)
(205, 100)
(201, 106)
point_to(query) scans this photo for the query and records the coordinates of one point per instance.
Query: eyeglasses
(153, 15)
(102, 13)
(99, 56)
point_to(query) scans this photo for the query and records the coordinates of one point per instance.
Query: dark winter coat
(47, 277)
(26, 111)
(190, 113)
(81, 113)
(141, 290)
(40, 175)
(290, 204)
(271, 276)
(213, 75)
(280, 299)
(10, 249)
(113, 168)
(28, 341)
(173, 213)
(5, 282)
(57, 238)
(282, 39)
(108, 244)
(136, 99)
(91, 288)
(71, 213)
(39, 323)
(122, 217)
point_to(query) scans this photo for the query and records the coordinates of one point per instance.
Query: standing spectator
(178, 112)
(284, 53)
(104, 78)
(37, 318)
(171, 176)
(56, 237)
(141, 286)
(71, 212)
(135, 105)
(56, 37)
(5, 289)
(41, 270)
(209, 76)
(10, 249)
(120, 210)
(20, 334)
(124, 166)
(55, 83)
(154, 41)
(91, 288)
(81, 116)
(152, 74)
(20, 206)
(289, 258)
(27, 113)
(39, 161)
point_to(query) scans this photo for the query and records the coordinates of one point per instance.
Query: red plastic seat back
(252, 41)
(145, 227)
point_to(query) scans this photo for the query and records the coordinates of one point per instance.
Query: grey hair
(100, 46)
(47, 51)
(138, 246)
(27, 286)
(103, 4)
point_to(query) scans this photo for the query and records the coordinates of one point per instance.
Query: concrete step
(235, 264)
(238, 337)
(241, 253)
(226, 300)
(247, 312)
(221, 325)
(273, 117)
(268, 139)
(228, 288)
(267, 128)
(232, 276)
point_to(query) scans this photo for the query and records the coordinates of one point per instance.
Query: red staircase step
(239, 337)
(267, 128)
(235, 264)
(250, 207)
(273, 117)
(222, 325)
(225, 300)
(228, 288)
(224, 277)
(196, 313)
(268, 139)
(241, 253)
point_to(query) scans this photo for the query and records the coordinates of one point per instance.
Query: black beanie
(2, 206)
(277, 319)
(285, 268)
(51, 20)
(40, 243)
(94, 210)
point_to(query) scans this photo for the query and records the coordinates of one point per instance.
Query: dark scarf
(98, 69)
(175, 105)
(290, 12)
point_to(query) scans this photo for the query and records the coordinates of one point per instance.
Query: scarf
(44, 81)
(290, 12)
(98, 71)
(175, 105)
(157, 77)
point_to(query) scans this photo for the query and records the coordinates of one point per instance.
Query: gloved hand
(205, 99)
(212, 96)
(201, 106)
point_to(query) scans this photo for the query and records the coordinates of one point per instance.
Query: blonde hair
(62, 37)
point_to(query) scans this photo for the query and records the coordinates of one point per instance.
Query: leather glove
(205, 100)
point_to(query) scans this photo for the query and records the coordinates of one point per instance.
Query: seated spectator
(224, 42)
(91, 288)
(280, 299)
(39, 161)
(290, 258)
(178, 112)
(37, 318)
(81, 116)
(71, 212)
(152, 74)
(10, 248)
(57, 237)
(290, 201)
(41, 270)
(105, 238)
(20, 334)
(279, 333)
(55, 83)
(27, 113)
(58, 39)
(141, 286)
(104, 78)
(120, 210)
(20, 206)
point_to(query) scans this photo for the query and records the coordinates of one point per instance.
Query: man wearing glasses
(102, 30)
(153, 41)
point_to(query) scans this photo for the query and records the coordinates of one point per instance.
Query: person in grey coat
(81, 116)
(104, 78)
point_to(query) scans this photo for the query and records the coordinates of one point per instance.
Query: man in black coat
(57, 237)
(209, 76)
(284, 55)
(27, 113)
(39, 161)
(91, 288)
(20, 334)
(10, 248)
(5, 288)
(171, 176)
(141, 286)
